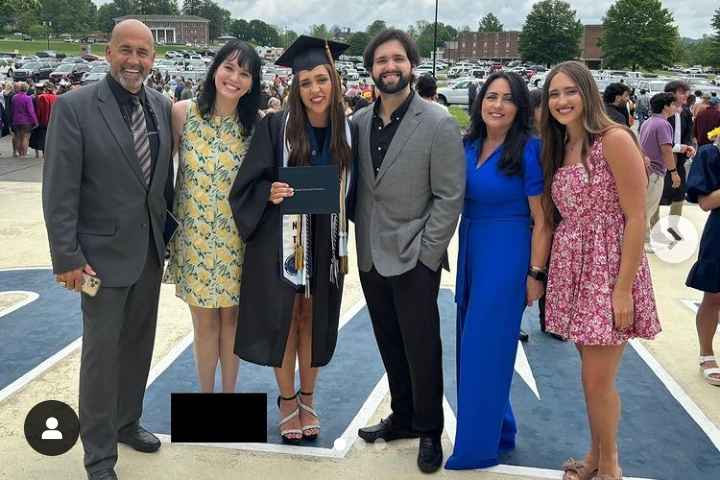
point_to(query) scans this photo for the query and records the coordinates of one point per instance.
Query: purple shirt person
(23, 110)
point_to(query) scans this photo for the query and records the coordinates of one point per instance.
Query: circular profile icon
(674, 239)
(52, 427)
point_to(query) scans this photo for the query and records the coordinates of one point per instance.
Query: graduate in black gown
(292, 278)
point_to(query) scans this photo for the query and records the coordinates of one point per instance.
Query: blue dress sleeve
(704, 177)
(533, 180)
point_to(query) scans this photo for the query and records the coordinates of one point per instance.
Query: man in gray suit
(107, 182)
(408, 196)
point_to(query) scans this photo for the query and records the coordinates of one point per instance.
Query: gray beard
(124, 83)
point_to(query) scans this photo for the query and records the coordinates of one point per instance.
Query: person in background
(642, 107)
(682, 124)
(616, 97)
(426, 87)
(706, 121)
(703, 188)
(599, 292)
(535, 111)
(24, 118)
(44, 103)
(656, 143)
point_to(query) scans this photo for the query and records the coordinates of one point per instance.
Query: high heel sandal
(312, 412)
(708, 372)
(606, 476)
(284, 433)
(577, 470)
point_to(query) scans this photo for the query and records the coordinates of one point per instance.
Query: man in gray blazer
(107, 182)
(409, 192)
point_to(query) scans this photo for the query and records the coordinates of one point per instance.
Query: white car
(456, 93)
(351, 74)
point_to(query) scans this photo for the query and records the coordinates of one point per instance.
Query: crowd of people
(552, 196)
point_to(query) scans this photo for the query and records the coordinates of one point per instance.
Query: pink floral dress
(585, 259)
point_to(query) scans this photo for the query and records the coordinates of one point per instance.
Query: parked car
(34, 71)
(456, 93)
(351, 75)
(92, 77)
(20, 61)
(72, 72)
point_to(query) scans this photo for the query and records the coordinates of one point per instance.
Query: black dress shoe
(387, 431)
(107, 474)
(430, 454)
(138, 438)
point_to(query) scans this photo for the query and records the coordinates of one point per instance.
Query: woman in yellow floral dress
(206, 253)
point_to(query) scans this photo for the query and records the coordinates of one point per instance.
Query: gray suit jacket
(409, 210)
(97, 206)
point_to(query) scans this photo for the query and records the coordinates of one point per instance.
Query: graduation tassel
(299, 249)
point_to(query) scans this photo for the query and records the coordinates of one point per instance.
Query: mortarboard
(307, 53)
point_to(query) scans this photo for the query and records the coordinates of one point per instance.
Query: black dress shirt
(125, 100)
(381, 135)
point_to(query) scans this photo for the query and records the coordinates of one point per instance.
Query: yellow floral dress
(206, 253)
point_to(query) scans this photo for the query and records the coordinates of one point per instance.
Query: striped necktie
(140, 139)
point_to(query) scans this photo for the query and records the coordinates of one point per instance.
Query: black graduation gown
(671, 194)
(266, 298)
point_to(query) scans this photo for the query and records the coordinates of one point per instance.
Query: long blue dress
(490, 295)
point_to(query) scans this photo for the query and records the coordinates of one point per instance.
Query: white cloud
(693, 18)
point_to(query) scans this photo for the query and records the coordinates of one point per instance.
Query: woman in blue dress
(501, 266)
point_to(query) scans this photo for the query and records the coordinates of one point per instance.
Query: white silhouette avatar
(52, 434)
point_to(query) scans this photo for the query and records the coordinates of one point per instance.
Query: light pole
(47, 26)
(435, 39)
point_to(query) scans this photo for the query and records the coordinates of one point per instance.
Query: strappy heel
(606, 476)
(284, 433)
(577, 470)
(312, 412)
(708, 372)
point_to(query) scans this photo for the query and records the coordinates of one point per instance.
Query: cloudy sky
(298, 15)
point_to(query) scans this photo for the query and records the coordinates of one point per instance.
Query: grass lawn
(69, 49)
(461, 116)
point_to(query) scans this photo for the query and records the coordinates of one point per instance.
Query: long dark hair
(247, 107)
(511, 162)
(297, 135)
(554, 134)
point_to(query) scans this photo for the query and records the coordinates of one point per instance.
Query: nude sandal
(576, 470)
(284, 433)
(312, 412)
(606, 476)
(707, 372)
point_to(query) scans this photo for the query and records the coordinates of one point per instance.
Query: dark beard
(389, 90)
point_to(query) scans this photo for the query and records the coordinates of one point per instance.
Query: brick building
(178, 29)
(504, 46)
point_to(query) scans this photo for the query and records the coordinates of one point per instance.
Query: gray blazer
(97, 206)
(409, 210)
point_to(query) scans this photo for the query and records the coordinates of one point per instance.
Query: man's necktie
(140, 139)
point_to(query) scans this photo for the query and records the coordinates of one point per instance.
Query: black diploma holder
(316, 189)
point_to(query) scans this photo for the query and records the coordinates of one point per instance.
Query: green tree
(220, 19)
(376, 27)
(155, 7)
(425, 39)
(490, 23)
(192, 7)
(358, 41)
(700, 52)
(263, 34)
(551, 33)
(320, 31)
(638, 34)
(289, 37)
(68, 16)
(716, 46)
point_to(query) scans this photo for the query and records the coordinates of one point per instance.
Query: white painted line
(168, 359)
(523, 368)
(39, 370)
(29, 298)
(707, 426)
(350, 436)
(15, 269)
(691, 304)
(259, 447)
(450, 421)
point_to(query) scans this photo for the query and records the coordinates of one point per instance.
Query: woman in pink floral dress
(599, 292)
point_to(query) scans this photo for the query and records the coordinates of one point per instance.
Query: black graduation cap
(307, 53)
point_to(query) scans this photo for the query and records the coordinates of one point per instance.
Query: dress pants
(406, 322)
(118, 337)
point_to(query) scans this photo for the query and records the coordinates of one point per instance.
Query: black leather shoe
(430, 454)
(523, 337)
(138, 438)
(387, 431)
(107, 474)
